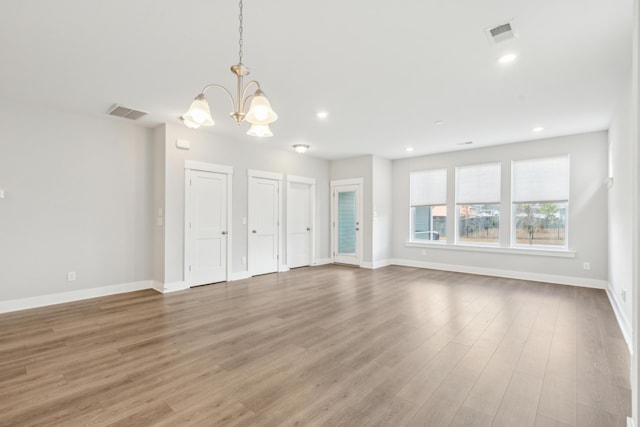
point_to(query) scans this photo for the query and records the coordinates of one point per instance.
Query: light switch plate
(1, 194)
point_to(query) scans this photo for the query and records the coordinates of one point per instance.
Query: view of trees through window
(539, 204)
(540, 223)
(479, 223)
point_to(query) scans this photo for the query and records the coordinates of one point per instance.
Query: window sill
(561, 253)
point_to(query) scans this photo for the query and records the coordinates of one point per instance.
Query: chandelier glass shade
(260, 114)
(259, 130)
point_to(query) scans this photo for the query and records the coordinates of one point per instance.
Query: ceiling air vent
(501, 33)
(127, 113)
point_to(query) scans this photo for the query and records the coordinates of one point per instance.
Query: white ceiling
(384, 70)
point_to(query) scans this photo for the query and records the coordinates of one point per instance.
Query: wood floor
(322, 346)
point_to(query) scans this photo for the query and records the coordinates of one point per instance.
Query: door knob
(224, 233)
(357, 229)
(254, 231)
(308, 228)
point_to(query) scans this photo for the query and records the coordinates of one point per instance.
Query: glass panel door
(347, 224)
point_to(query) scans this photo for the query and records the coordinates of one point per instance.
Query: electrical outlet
(623, 294)
(586, 266)
(424, 252)
(243, 260)
(71, 276)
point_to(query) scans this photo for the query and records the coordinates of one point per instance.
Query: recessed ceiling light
(507, 59)
(409, 149)
(301, 148)
(438, 122)
(538, 129)
(322, 114)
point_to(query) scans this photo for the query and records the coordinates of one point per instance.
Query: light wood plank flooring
(322, 346)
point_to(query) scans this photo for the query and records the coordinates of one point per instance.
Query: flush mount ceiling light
(322, 115)
(538, 129)
(301, 148)
(260, 113)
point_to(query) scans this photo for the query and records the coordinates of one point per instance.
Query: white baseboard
(157, 286)
(60, 298)
(623, 322)
(510, 274)
(322, 261)
(283, 268)
(166, 288)
(241, 275)
(375, 264)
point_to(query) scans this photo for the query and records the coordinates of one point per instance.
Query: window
(478, 203)
(540, 200)
(428, 193)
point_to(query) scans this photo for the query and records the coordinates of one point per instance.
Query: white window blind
(478, 184)
(539, 180)
(429, 187)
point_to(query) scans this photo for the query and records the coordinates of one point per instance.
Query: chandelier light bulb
(261, 114)
(260, 111)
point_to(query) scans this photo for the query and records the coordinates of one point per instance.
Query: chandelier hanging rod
(238, 111)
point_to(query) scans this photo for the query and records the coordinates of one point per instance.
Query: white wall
(620, 207)
(78, 198)
(242, 154)
(382, 221)
(635, 196)
(158, 203)
(587, 212)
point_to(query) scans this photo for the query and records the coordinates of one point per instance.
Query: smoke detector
(126, 112)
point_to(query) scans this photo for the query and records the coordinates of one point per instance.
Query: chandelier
(260, 114)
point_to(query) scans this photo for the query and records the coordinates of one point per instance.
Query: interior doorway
(264, 222)
(300, 221)
(207, 225)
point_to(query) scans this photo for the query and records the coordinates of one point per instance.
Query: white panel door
(207, 228)
(299, 221)
(347, 235)
(263, 225)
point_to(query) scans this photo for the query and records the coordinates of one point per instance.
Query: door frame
(275, 176)
(189, 166)
(359, 182)
(311, 182)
